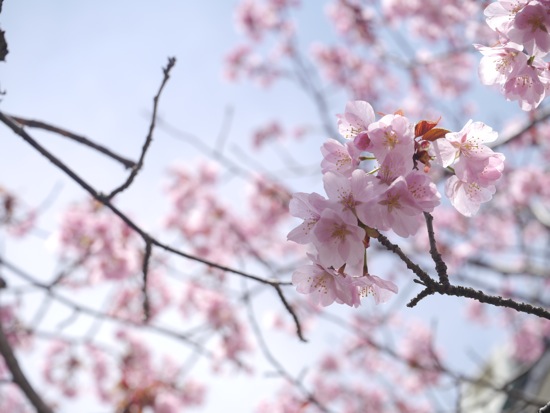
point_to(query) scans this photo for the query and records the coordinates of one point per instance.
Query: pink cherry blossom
(528, 86)
(353, 20)
(256, 18)
(309, 208)
(394, 209)
(391, 133)
(356, 119)
(102, 241)
(418, 348)
(269, 132)
(346, 192)
(484, 171)
(423, 190)
(353, 72)
(377, 287)
(339, 241)
(526, 183)
(395, 164)
(340, 158)
(468, 143)
(466, 197)
(166, 403)
(500, 63)
(325, 285)
(530, 28)
(501, 14)
(529, 340)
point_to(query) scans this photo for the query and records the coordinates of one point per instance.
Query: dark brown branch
(18, 377)
(78, 138)
(149, 138)
(432, 287)
(146, 304)
(421, 295)
(440, 266)
(459, 291)
(292, 313)
(419, 272)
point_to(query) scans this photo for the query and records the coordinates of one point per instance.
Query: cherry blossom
(516, 62)
(356, 119)
(501, 63)
(467, 197)
(308, 207)
(468, 144)
(327, 285)
(340, 158)
(392, 133)
(530, 28)
(501, 14)
(339, 240)
(394, 209)
(528, 87)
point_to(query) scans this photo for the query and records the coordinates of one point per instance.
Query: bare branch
(18, 377)
(432, 287)
(127, 163)
(440, 266)
(149, 138)
(146, 304)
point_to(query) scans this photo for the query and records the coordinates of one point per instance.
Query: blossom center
(391, 138)
(391, 202)
(340, 232)
(536, 23)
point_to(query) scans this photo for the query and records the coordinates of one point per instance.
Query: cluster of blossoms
(131, 379)
(392, 196)
(104, 246)
(516, 63)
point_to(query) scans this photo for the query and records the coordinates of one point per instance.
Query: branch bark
(18, 377)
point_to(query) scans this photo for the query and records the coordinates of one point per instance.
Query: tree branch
(149, 138)
(442, 288)
(440, 266)
(18, 377)
(127, 163)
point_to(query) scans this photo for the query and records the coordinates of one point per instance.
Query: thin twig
(292, 313)
(149, 138)
(273, 360)
(127, 163)
(146, 304)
